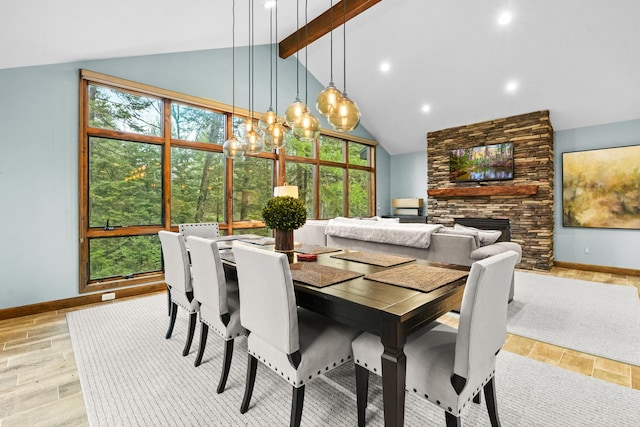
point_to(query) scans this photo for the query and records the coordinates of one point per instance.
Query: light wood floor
(39, 383)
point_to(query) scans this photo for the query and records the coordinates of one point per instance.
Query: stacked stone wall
(531, 216)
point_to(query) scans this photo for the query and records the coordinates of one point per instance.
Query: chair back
(177, 271)
(208, 230)
(209, 283)
(483, 315)
(267, 299)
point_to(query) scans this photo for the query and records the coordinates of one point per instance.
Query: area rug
(132, 376)
(595, 318)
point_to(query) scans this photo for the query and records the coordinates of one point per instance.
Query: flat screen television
(483, 163)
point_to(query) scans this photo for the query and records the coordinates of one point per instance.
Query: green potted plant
(283, 214)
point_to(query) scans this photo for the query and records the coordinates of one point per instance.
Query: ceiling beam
(322, 25)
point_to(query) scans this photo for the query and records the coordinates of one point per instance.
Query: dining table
(392, 312)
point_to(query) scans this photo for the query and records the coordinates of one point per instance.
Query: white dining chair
(207, 230)
(177, 275)
(297, 344)
(218, 299)
(445, 366)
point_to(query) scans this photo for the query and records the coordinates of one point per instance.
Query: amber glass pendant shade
(328, 100)
(233, 148)
(267, 119)
(275, 136)
(307, 127)
(294, 111)
(346, 116)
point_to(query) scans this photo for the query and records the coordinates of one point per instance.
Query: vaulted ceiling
(580, 59)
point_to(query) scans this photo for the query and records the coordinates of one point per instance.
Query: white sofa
(460, 245)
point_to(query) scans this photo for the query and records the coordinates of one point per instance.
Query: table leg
(394, 370)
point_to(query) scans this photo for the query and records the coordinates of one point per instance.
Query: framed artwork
(601, 188)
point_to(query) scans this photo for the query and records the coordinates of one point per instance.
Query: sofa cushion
(461, 232)
(495, 249)
(486, 237)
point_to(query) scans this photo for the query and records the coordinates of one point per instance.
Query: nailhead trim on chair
(301, 382)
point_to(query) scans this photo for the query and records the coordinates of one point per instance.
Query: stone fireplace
(526, 201)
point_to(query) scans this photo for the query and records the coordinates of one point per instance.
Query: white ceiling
(580, 59)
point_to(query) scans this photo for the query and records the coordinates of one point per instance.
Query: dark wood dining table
(390, 312)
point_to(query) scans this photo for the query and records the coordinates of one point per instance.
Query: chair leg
(172, 320)
(492, 405)
(362, 391)
(251, 379)
(169, 300)
(297, 402)
(226, 365)
(477, 398)
(452, 420)
(204, 332)
(193, 318)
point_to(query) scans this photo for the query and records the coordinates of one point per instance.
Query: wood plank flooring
(39, 384)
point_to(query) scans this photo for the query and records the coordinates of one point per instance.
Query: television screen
(483, 163)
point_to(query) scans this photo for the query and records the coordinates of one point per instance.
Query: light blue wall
(409, 177)
(614, 248)
(39, 158)
(383, 181)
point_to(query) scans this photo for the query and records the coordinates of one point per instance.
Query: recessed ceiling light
(426, 108)
(504, 18)
(269, 4)
(511, 86)
(384, 67)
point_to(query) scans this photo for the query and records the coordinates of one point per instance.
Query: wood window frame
(168, 97)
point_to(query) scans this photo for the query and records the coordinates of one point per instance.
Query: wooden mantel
(501, 190)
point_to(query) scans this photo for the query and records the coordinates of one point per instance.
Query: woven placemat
(320, 275)
(373, 258)
(314, 249)
(415, 276)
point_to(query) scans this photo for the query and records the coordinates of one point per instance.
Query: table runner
(262, 241)
(320, 275)
(314, 249)
(415, 276)
(373, 258)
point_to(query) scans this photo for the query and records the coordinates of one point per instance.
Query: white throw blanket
(414, 235)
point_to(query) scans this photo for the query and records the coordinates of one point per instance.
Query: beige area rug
(132, 376)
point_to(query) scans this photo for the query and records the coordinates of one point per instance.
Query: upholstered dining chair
(218, 298)
(293, 342)
(207, 230)
(446, 366)
(177, 275)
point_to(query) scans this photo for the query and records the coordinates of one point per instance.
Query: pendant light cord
(298, 49)
(250, 65)
(331, 44)
(276, 60)
(306, 56)
(344, 46)
(233, 62)
(271, 58)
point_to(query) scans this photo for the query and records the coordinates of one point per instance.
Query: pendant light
(255, 143)
(297, 108)
(275, 134)
(233, 148)
(328, 99)
(346, 116)
(306, 127)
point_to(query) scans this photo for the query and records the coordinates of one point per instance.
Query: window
(151, 159)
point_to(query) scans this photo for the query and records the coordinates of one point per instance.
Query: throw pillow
(486, 237)
(460, 232)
